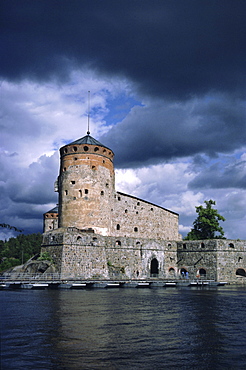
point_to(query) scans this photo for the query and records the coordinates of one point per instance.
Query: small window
(184, 246)
(135, 229)
(118, 227)
(80, 193)
(138, 203)
(75, 158)
(231, 245)
(137, 213)
(169, 245)
(107, 185)
(64, 169)
(72, 182)
(126, 210)
(86, 148)
(65, 150)
(79, 238)
(102, 192)
(119, 198)
(118, 242)
(65, 192)
(86, 191)
(94, 168)
(103, 161)
(202, 245)
(151, 209)
(75, 149)
(96, 149)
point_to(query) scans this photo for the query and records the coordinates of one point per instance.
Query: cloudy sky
(167, 82)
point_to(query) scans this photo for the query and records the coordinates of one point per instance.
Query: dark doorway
(154, 270)
(241, 272)
(202, 272)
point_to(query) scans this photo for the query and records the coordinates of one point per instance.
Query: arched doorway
(184, 273)
(241, 272)
(154, 269)
(202, 273)
(171, 272)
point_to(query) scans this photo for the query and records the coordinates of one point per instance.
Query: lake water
(163, 328)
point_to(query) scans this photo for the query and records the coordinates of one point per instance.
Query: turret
(86, 185)
(50, 220)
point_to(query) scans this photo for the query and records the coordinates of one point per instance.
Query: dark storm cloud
(218, 177)
(168, 48)
(161, 131)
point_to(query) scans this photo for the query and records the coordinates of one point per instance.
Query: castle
(96, 232)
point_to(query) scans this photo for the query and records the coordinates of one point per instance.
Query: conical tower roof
(88, 139)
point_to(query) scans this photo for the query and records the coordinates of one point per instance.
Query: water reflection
(124, 328)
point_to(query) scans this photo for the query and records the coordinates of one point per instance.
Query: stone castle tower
(88, 200)
(86, 185)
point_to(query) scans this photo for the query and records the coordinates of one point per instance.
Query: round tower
(86, 185)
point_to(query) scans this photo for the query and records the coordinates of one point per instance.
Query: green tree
(206, 226)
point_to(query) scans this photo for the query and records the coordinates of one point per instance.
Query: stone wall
(89, 255)
(133, 217)
(217, 259)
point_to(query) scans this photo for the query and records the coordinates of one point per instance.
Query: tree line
(17, 251)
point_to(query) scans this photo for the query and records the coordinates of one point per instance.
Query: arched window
(118, 227)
